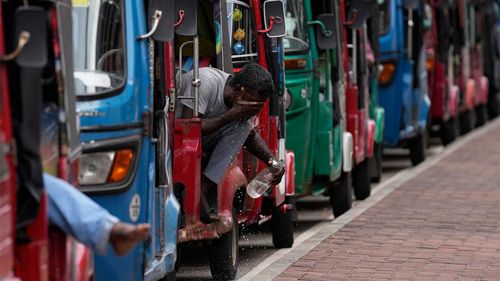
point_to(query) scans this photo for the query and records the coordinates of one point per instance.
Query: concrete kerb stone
(278, 262)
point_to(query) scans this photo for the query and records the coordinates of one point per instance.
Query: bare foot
(124, 236)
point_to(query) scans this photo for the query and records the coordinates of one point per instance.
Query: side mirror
(33, 22)
(326, 31)
(410, 4)
(274, 15)
(359, 11)
(165, 29)
(186, 15)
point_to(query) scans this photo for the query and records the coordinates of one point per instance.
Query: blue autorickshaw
(125, 165)
(403, 83)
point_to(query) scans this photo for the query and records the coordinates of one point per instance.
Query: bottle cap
(273, 163)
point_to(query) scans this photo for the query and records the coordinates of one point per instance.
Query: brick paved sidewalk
(444, 224)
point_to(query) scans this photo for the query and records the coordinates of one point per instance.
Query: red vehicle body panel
(357, 119)
(46, 256)
(7, 184)
(442, 89)
(187, 159)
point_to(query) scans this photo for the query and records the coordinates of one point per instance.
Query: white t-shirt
(211, 92)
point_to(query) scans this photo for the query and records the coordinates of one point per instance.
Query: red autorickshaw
(443, 91)
(36, 77)
(228, 34)
(463, 42)
(477, 63)
(354, 14)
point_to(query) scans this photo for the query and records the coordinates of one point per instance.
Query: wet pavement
(313, 213)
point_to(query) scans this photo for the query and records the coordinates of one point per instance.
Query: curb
(278, 262)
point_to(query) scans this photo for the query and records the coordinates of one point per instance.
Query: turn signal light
(429, 64)
(295, 64)
(121, 165)
(98, 168)
(387, 73)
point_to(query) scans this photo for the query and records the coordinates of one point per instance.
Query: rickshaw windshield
(99, 52)
(384, 7)
(242, 37)
(296, 34)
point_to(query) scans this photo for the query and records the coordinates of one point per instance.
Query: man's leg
(221, 146)
(77, 215)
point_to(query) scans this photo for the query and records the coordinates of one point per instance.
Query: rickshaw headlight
(105, 167)
(387, 73)
(95, 167)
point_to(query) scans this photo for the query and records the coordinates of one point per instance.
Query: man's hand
(243, 109)
(278, 174)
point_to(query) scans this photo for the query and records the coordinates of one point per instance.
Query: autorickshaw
(477, 63)
(463, 51)
(488, 16)
(490, 34)
(443, 92)
(315, 116)
(122, 66)
(227, 35)
(280, 203)
(39, 133)
(403, 85)
(376, 112)
(354, 14)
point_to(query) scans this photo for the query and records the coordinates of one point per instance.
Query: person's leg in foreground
(77, 215)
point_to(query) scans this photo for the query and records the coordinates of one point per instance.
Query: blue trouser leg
(77, 215)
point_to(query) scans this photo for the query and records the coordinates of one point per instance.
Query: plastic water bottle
(262, 182)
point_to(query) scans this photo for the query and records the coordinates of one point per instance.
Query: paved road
(438, 221)
(256, 245)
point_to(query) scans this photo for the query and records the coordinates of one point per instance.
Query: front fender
(484, 90)
(379, 125)
(453, 98)
(371, 138)
(347, 150)
(172, 210)
(232, 180)
(290, 174)
(423, 114)
(470, 93)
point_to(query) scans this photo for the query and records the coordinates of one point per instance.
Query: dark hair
(254, 77)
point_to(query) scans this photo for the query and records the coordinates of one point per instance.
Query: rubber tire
(341, 195)
(282, 225)
(494, 104)
(481, 115)
(466, 122)
(223, 262)
(361, 180)
(448, 131)
(417, 146)
(376, 163)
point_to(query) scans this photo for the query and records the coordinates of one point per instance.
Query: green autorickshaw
(314, 119)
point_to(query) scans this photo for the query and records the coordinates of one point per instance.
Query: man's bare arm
(208, 125)
(240, 110)
(258, 147)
